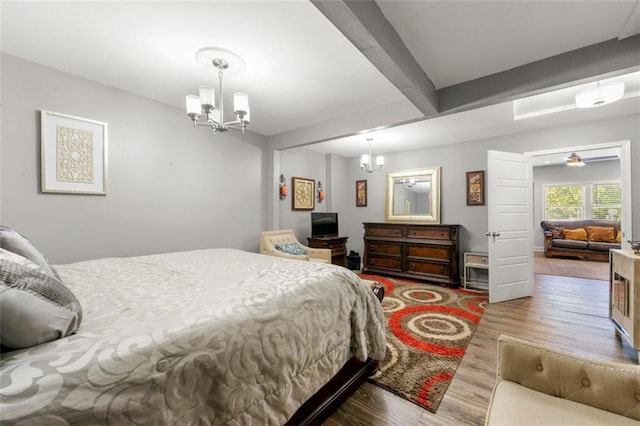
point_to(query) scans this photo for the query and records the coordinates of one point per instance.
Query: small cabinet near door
(624, 295)
(476, 270)
(338, 246)
(423, 252)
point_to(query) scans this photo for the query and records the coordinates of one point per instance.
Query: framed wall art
(475, 188)
(304, 191)
(73, 154)
(361, 193)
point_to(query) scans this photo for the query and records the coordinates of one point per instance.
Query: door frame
(625, 177)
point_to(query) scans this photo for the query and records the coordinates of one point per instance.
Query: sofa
(585, 239)
(540, 385)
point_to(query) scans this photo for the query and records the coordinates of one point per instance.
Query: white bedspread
(215, 336)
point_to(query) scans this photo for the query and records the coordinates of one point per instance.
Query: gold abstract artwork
(74, 155)
(303, 193)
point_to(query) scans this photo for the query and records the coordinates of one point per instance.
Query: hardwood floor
(569, 313)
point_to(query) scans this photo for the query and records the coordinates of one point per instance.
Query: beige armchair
(540, 385)
(269, 239)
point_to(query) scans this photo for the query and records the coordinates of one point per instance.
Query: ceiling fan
(574, 160)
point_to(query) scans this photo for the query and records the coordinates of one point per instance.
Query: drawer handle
(442, 269)
(372, 247)
(395, 264)
(413, 267)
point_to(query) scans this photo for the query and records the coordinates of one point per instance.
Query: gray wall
(170, 187)
(598, 172)
(457, 159)
(304, 163)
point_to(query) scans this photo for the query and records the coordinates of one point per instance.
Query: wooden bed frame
(329, 397)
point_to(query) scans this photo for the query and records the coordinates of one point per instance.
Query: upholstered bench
(540, 385)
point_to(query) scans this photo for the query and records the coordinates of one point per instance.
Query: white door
(510, 210)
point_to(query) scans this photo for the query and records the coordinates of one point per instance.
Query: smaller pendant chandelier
(222, 60)
(367, 159)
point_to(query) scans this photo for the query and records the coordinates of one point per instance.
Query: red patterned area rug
(428, 330)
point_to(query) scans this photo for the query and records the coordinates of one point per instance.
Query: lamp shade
(207, 96)
(602, 94)
(379, 161)
(364, 160)
(240, 103)
(193, 105)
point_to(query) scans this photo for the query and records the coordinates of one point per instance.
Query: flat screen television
(324, 224)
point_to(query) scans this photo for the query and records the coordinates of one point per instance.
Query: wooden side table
(338, 246)
(624, 301)
(478, 262)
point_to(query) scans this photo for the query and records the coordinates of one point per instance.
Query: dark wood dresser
(338, 246)
(423, 252)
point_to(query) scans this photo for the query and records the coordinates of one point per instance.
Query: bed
(217, 336)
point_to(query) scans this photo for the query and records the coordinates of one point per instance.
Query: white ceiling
(301, 70)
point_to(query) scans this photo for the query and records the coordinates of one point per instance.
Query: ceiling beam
(587, 64)
(364, 24)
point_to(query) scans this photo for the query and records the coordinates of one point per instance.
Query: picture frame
(475, 188)
(361, 193)
(304, 191)
(73, 154)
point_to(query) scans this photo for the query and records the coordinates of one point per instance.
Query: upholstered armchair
(284, 243)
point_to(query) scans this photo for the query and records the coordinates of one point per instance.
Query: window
(564, 202)
(606, 201)
(583, 201)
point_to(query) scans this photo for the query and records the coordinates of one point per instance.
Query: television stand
(338, 246)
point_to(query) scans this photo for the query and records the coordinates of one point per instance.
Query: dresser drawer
(428, 268)
(384, 263)
(334, 245)
(383, 231)
(384, 248)
(428, 252)
(477, 259)
(429, 233)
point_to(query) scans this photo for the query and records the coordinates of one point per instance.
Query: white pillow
(19, 244)
(35, 307)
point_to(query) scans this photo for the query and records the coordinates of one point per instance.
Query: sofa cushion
(601, 234)
(512, 404)
(579, 234)
(599, 246)
(570, 244)
(556, 232)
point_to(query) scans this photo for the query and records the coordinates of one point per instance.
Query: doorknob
(488, 234)
(495, 234)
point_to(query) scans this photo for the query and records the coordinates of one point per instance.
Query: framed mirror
(413, 196)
